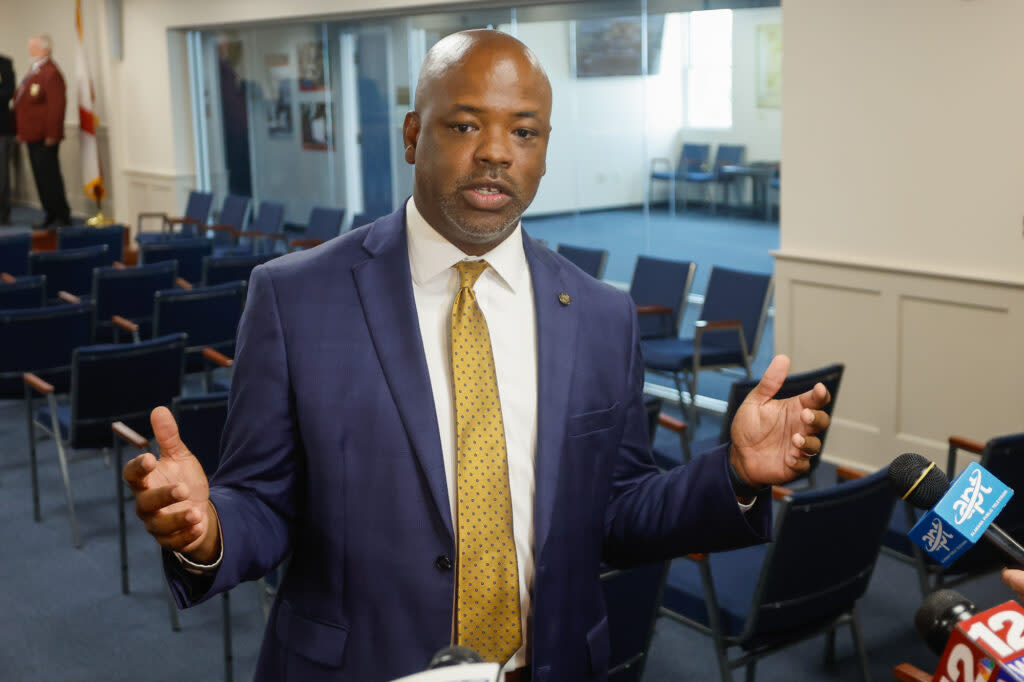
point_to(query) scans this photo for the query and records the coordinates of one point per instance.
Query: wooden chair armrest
(779, 492)
(152, 214)
(906, 672)
(37, 383)
(217, 358)
(68, 297)
(968, 444)
(133, 437)
(182, 283)
(118, 265)
(223, 228)
(671, 423)
(7, 278)
(305, 243)
(847, 473)
(181, 221)
(125, 324)
(653, 310)
(696, 556)
(710, 325)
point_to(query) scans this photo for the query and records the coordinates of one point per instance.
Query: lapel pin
(564, 298)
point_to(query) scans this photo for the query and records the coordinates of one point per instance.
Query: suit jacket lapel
(556, 339)
(385, 288)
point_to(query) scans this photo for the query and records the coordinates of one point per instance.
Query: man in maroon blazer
(39, 105)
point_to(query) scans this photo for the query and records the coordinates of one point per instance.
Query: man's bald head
(450, 53)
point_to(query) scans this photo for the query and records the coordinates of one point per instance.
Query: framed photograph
(769, 66)
(279, 84)
(317, 127)
(311, 66)
(614, 47)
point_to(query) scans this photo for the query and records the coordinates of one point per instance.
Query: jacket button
(443, 563)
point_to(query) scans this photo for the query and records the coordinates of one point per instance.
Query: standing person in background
(39, 104)
(7, 84)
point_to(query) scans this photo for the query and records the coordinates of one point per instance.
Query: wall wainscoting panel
(927, 355)
(148, 191)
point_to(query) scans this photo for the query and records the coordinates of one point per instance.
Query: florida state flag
(92, 174)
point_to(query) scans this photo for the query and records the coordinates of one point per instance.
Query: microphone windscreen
(905, 475)
(938, 615)
(453, 655)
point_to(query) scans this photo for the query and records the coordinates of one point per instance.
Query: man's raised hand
(172, 495)
(773, 440)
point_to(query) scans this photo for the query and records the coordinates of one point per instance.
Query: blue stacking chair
(324, 224)
(660, 289)
(693, 158)
(188, 253)
(265, 226)
(360, 219)
(14, 248)
(22, 292)
(209, 316)
(109, 383)
(727, 334)
(805, 582)
(222, 269)
(78, 237)
(590, 261)
(197, 214)
(725, 155)
(128, 293)
(69, 270)
(233, 215)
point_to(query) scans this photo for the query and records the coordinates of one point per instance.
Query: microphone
(957, 514)
(973, 646)
(456, 664)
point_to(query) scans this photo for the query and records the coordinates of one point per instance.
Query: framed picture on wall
(311, 66)
(278, 101)
(614, 46)
(769, 66)
(317, 127)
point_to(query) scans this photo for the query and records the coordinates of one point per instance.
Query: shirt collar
(39, 62)
(430, 254)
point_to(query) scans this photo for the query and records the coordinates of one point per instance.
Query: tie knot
(469, 272)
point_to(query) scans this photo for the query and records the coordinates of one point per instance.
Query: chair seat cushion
(735, 577)
(664, 175)
(698, 176)
(42, 417)
(672, 355)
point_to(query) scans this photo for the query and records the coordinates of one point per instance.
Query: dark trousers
(49, 182)
(7, 147)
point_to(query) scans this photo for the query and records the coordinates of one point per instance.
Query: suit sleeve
(254, 487)
(654, 515)
(8, 84)
(56, 96)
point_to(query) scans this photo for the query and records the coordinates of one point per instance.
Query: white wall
(902, 253)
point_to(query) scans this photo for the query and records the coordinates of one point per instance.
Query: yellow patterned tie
(487, 609)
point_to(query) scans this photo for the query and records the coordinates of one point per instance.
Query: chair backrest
(360, 219)
(14, 250)
(826, 543)
(632, 598)
(122, 382)
(590, 261)
(188, 252)
(209, 315)
(198, 206)
(233, 213)
(221, 269)
(200, 421)
(69, 270)
(28, 291)
(657, 281)
(129, 292)
(324, 223)
(693, 157)
(730, 155)
(737, 295)
(40, 340)
(269, 218)
(77, 237)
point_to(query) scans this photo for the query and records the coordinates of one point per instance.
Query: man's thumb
(772, 380)
(165, 430)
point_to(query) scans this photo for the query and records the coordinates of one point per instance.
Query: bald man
(442, 423)
(39, 105)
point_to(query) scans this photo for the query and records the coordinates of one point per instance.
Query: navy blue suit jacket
(331, 452)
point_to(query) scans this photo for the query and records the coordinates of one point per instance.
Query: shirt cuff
(746, 506)
(196, 568)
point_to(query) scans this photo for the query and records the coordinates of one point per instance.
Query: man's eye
(462, 127)
(525, 133)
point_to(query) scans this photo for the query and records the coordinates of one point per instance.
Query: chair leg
(32, 455)
(858, 642)
(750, 671)
(172, 608)
(121, 530)
(830, 647)
(672, 198)
(64, 470)
(229, 674)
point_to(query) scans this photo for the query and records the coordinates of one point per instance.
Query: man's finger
(816, 398)
(179, 540)
(809, 445)
(165, 430)
(170, 523)
(816, 420)
(136, 470)
(151, 501)
(772, 380)
(798, 463)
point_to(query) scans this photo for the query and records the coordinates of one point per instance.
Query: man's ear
(410, 136)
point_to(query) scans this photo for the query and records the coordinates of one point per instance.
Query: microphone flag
(988, 647)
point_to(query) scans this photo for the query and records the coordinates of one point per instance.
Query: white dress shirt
(505, 294)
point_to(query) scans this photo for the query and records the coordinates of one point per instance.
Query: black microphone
(938, 615)
(922, 483)
(454, 655)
